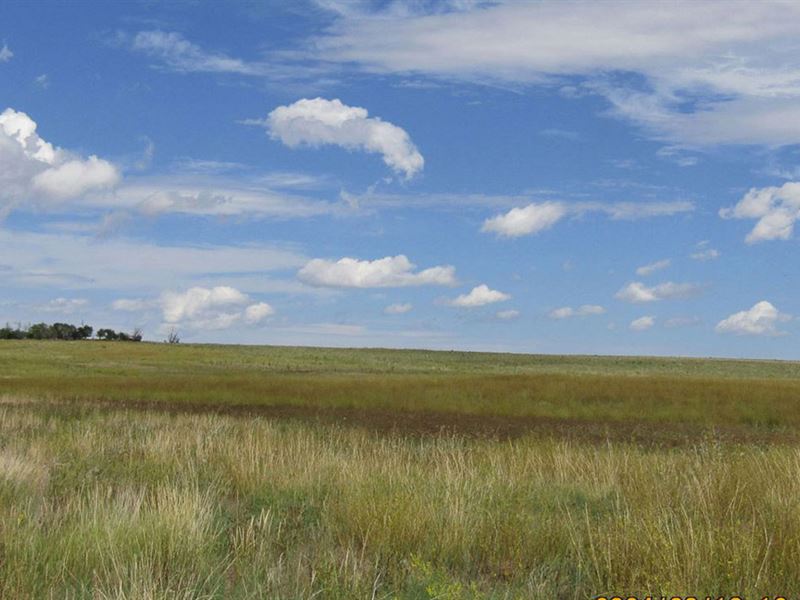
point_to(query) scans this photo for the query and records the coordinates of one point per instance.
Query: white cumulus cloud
(478, 296)
(638, 292)
(527, 220)
(391, 271)
(258, 312)
(203, 308)
(761, 319)
(33, 170)
(76, 177)
(317, 122)
(775, 209)
(178, 306)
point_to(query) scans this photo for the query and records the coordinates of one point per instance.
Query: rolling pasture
(191, 471)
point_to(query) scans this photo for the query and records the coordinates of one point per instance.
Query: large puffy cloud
(178, 306)
(707, 74)
(33, 170)
(761, 319)
(637, 292)
(530, 219)
(391, 271)
(478, 296)
(76, 177)
(318, 122)
(202, 308)
(775, 208)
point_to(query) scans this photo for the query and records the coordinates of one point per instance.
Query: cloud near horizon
(200, 308)
(761, 319)
(540, 216)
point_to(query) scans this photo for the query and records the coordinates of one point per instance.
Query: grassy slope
(98, 503)
(603, 389)
(102, 358)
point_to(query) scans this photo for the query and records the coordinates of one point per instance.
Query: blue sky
(526, 177)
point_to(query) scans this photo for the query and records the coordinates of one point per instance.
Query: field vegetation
(183, 471)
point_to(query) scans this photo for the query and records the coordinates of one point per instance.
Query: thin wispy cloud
(5, 54)
(638, 292)
(537, 217)
(749, 76)
(653, 267)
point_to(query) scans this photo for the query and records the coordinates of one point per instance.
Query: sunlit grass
(132, 505)
(126, 473)
(755, 393)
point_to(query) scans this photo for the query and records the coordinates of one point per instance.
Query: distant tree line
(65, 331)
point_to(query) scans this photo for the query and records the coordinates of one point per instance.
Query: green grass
(605, 389)
(98, 504)
(106, 358)
(125, 472)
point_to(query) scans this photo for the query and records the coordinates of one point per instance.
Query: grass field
(188, 471)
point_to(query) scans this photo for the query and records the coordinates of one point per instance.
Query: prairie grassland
(750, 394)
(120, 504)
(150, 471)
